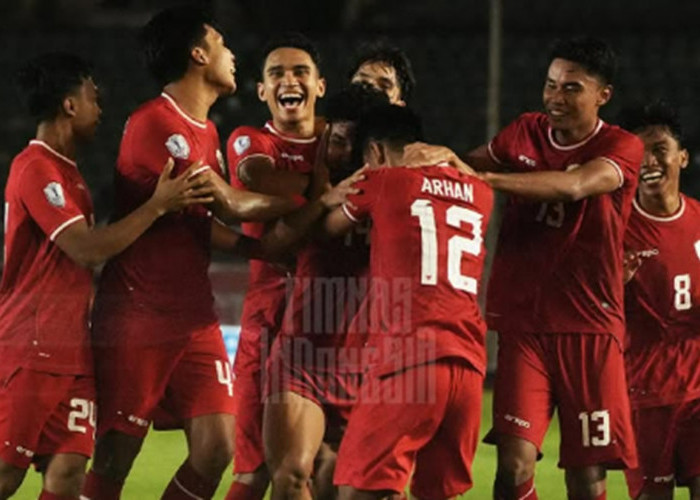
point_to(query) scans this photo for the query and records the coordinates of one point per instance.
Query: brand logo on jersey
(178, 147)
(527, 161)
(292, 157)
(220, 159)
(517, 421)
(663, 479)
(54, 194)
(241, 144)
(697, 248)
(648, 253)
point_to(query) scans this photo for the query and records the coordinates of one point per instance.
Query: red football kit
(265, 298)
(427, 334)
(662, 304)
(556, 298)
(47, 393)
(155, 329)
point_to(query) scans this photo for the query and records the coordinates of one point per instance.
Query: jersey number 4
(457, 245)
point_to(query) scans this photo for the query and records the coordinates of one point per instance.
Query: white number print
(682, 298)
(551, 214)
(82, 410)
(599, 422)
(223, 375)
(457, 245)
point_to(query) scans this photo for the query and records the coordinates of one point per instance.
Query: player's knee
(514, 469)
(292, 476)
(585, 482)
(211, 461)
(115, 453)
(10, 480)
(65, 476)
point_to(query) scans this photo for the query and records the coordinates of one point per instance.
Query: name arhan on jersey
(449, 188)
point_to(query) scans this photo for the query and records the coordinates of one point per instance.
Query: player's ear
(69, 105)
(321, 87)
(261, 91)
(199, 55)
(604, 95)
(375, 154)
(685, 158)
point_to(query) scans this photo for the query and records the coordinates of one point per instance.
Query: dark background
(658, 45)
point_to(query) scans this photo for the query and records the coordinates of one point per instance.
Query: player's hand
(631, 263)
(339, 194)
(420, 154)
(189, 188)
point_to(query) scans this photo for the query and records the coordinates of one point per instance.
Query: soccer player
(158, 346)
(419, 405)
(386, 68)
(276, 159)
(314, 368)
(47, 393)
(662, 306)
(556, 294)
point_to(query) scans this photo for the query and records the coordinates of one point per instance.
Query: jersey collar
(590, 136)
(298, 140)
(179, 110)
(657, 218)
(37, 142)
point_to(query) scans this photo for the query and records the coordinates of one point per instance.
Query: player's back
(662, 305)
(427, 257)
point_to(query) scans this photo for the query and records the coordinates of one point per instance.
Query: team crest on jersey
(54, 194)
(178, 147)
(220, 159)
(241, 144)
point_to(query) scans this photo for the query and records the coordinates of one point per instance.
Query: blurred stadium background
(478, 63)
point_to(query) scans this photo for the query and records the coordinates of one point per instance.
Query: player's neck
(193, 96)
(58, 136)
(662, 204)
(567, 137)
(303, 128)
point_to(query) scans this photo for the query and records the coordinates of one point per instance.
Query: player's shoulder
(155, 115)
(247, 130)
(692, 204)
(614, 134)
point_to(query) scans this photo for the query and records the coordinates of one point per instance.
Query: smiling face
(291, 84)
(381, 76)
(572, 97)
(219, 61)
(664, 158)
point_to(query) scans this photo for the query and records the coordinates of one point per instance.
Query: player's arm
(90, 247)
(592, 178)
(259, 174)
(420, 154)
(338, 222)
(481, 160)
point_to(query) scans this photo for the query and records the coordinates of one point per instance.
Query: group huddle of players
(360, 366)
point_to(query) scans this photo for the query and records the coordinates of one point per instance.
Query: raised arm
(90, 247)
(259, 174)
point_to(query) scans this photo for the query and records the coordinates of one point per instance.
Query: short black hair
(168, 38)
(595, 55)
(391, 124)
(48, 78)
(656, 113)
(353, 101)
(292, 40)
(382, 51)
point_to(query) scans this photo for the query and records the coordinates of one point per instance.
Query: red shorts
(427, 416)
(668, 439)
(335, 393)
(140, 374)
(248, 408)
(583, 376)
(44, 414)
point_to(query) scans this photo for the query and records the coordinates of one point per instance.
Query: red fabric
(45, 296)
(583, 376)
(241, 491)
(44, 414)
(249, 452)
(98, 487)
(558, 266)
(188, 484)
(663, 307)
(165, 271)
(427, 256)
(427, 416)
(46, 495)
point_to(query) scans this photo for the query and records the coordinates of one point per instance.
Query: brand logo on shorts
(138, 421)
(664, 479)
(24, 451)
(527, 161)
(241, 144)
(177, 146)
(54, 194)
(517, 421)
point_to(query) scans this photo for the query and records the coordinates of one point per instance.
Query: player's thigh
(64, 474)
(523, 403)
(443, 465)
(593, 402)
(293, 429)
(394, 418)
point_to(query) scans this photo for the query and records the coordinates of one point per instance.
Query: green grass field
(164, 451)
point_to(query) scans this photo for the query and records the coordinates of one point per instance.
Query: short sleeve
(503, 148)
(625, 152)
(244, 143)
(43, 191)
(359, 206)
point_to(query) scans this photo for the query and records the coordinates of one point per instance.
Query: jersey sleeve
(503, 148)
(244, 143)
(359, 206)
(625, 152)
(43, 192)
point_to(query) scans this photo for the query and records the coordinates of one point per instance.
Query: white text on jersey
(449, 188)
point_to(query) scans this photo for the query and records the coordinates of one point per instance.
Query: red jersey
(328, 291)
(558, 266)
(165, 270)
(266, 285)
(44, 295)
(662, 303)
(426, 259)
